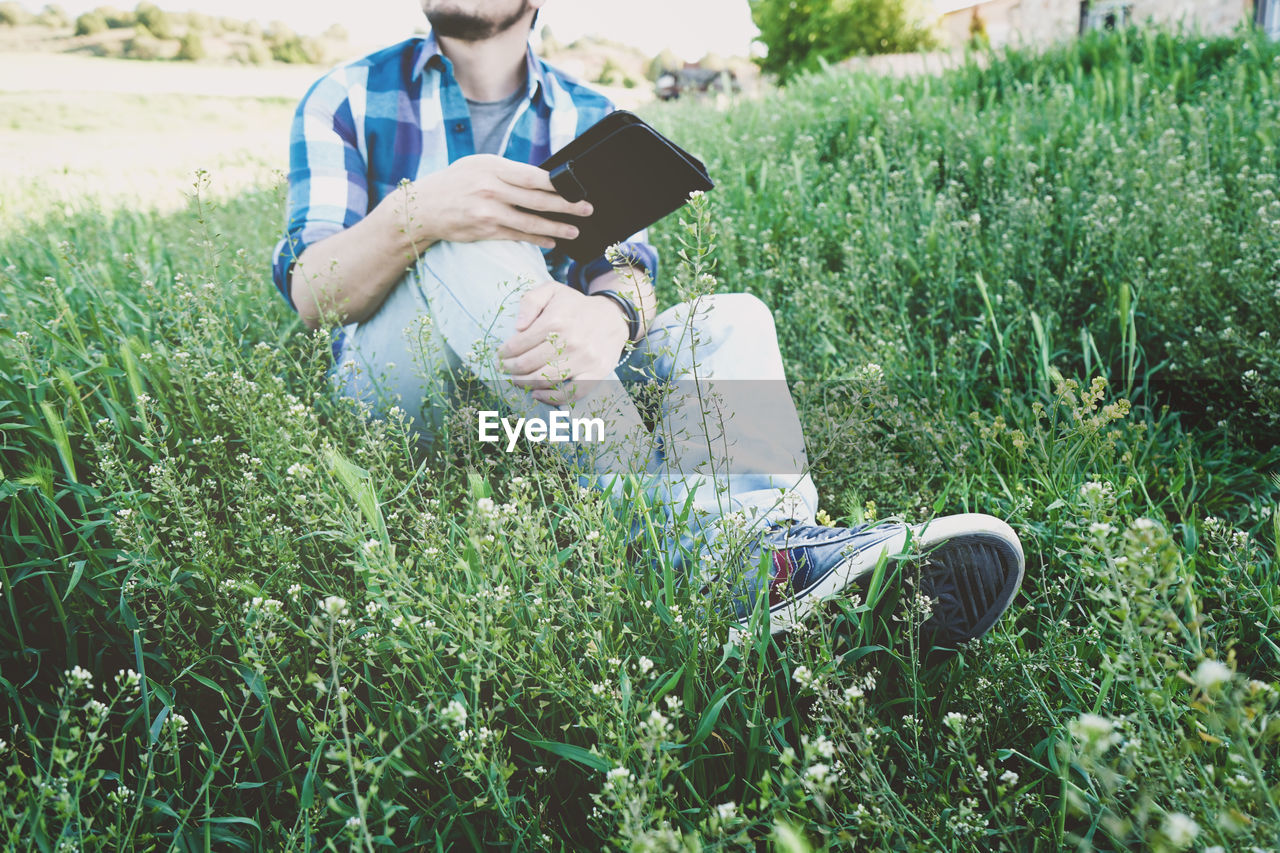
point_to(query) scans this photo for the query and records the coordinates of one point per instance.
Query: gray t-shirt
(490, 120)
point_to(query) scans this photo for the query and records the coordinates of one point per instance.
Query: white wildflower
(820, 775)
(127, 679)
(1179, 829)
(803, 676)
(821, 746)
(454, 714)
(79, 677)
(1094, 732)
(1211, 673)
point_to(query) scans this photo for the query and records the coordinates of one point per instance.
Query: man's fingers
(531, 223)
(529, 360)
(565, 393)
(547, 202)
(523, 175)
(548, 374)
(551, 397)
(531, 305)
(522, 237)
(537, 382)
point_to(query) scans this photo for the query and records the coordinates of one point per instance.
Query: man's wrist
(412, 235)
(628, 309)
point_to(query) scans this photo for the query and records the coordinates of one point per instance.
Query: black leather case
(632, 175)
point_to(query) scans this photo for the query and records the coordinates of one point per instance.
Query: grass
(237, 615)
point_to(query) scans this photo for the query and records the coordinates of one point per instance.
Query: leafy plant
(802, 35)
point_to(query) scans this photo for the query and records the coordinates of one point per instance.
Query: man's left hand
(565, 342)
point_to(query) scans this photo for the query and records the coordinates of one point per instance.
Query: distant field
(119, 132)
(119, 149)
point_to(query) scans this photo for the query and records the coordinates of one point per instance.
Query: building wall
(1040, 21)
(1210, 16)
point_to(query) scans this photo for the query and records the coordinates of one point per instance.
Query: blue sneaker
(971, 567)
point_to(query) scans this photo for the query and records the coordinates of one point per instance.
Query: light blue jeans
(724, 442)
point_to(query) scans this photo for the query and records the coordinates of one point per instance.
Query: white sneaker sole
(969, 527)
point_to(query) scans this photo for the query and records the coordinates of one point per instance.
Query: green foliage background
(1043, 289)
(801, 35)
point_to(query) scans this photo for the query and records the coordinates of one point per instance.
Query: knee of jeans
(744, 312)
(488, 265)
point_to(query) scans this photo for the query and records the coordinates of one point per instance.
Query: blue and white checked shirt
(400, 114)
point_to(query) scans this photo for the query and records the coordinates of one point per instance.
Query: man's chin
(460, 26)
(464, 26)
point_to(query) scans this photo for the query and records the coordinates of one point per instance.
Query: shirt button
(459, 126)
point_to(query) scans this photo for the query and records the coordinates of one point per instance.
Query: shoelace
(799, 535)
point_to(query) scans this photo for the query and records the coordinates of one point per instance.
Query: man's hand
(478, 198)
(565, 342)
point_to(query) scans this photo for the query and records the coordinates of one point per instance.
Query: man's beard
(465, 25)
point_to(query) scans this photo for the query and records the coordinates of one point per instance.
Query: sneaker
(971, 568)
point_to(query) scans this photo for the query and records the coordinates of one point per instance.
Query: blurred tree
(713, 62)
(191, 48)
(550, 45)
(257, 52)
(117, 19)
(288, 46)
(338, 33)
(978, 38)
(13, 15)
(278, 31)
(91, 23)
(610, 73)
(665, 61)
(202, 23)
(54, 17)
(143, 44)
(154, 19)
(803, 34)
(289, 50)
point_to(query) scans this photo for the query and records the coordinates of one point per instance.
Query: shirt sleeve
(328, 186)
(636, 250)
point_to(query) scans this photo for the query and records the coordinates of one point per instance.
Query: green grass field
(236, 615)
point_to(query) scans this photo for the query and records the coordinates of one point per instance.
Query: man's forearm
(346, 276)
(634, 284)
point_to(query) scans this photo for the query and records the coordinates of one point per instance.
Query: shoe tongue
(783, 577)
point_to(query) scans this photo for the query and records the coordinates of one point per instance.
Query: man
(418, 221)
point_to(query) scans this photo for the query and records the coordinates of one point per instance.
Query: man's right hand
(478, 198)
(349, 273)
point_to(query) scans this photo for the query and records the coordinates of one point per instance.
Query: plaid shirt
(400, 114)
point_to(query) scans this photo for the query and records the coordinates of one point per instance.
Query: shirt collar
(429, 56)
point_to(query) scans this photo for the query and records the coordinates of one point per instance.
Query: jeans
(723, 440)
